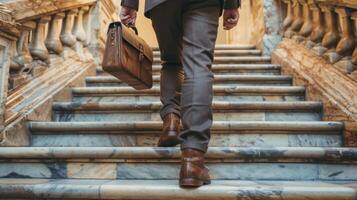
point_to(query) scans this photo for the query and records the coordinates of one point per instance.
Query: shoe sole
(170, 141)
(193, 183)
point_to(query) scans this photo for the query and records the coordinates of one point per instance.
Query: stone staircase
(267, 142)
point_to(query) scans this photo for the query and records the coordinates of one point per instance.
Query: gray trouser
(186, 31)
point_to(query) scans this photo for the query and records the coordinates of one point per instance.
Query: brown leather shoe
(193, 171)
(171, 130)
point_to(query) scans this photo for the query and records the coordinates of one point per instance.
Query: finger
(124, 17)
(229, 26)
(232, 20)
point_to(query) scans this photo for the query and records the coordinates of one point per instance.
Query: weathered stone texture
(323, 82)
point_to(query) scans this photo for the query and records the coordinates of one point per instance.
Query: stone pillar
(289, 15)
(67, 38)
(20, 72)
(102, 14)
(87, 19)
(354, 56)
(38, 48)
(332, 37)
(298, 20)
(319, 28)
(79, 32)
(272, 21)
(8, 38)
(347, 43)
(53, 42)
(306, 28)
(23, 56)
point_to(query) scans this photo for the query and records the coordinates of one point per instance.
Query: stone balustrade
(327, 27)
(51, 34)
(38, 46)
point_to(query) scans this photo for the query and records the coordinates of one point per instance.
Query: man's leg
(199, 36)
(200, 24)
(166, 20)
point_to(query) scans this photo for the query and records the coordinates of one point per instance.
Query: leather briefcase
(128, 57)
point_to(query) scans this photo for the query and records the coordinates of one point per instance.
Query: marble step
(223, 111)
(227, 47)
(130, 163)
(230, 134)
(144, 98)
(221, 93)
(41, 189)
(218, 80)
(237, 69)
(218, 90)
(235, 60)
(229, 52)
(218, 126)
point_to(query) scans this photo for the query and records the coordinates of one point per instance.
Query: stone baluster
(80, 33)
(307, 27)
(22, 62)
(298, 20)
(289, 15)
(23, 56)
(319, 30)
(347, 43)
(354, 55)
(37, 47)
(67, 38)
(78, 30)
(332, 36)
(87, 19)
(53, 42)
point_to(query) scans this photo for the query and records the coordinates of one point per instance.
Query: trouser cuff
(194, 145)
(163, 113)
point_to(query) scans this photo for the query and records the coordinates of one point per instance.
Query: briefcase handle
(130, 25)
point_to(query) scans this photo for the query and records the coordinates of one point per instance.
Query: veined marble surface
(229, 140)
(155, 116)
(148, 98)
(166, 189)
(167, 171)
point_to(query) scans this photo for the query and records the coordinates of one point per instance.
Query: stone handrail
(327, 27)
(39, 40)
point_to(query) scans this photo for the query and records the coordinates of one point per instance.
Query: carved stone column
(332, 36)
(319, 30)
(67, 38)
(298, 20)
(354, 56)
(53, 42)
(346, 44)
(20, 72)
(23, 55)
(8, 36)
(103, 14)
(78, 30)
(87, 23)
(289, 15)
(38, 48)
(306, 28)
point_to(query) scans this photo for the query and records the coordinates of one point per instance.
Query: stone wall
(319, 50)
(259, 24)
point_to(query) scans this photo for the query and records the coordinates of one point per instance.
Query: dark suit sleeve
(231, 4)
(131, 4)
